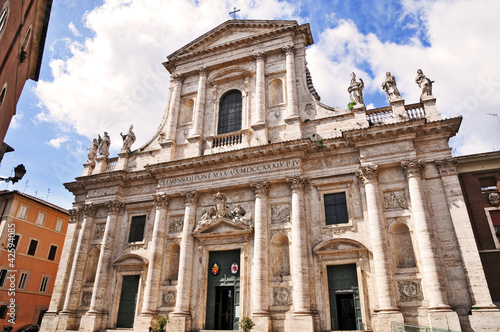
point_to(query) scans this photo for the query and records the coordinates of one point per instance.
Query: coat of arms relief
(237, 215)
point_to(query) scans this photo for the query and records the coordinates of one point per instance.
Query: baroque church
(254, 199)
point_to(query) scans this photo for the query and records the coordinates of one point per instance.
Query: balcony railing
(111, 164)
(379, 115)
(415, 111)
(227, 140)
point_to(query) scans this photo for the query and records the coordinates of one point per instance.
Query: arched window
(276, 92)
(405, 257)
(230, 112)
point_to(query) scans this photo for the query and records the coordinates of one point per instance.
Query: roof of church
(267, 27)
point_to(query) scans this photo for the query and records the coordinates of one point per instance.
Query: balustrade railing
(111, 164)
(415, 111)
(379, 115)
(227, 140)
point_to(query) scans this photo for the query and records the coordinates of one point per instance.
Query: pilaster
(173, 115)
(199, 111)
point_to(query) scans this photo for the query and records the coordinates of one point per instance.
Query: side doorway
(345, 304)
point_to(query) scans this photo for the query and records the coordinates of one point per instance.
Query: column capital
(202, 71)
(178, 78)
(413, 167)
(74, 214)
(260, 188)
(161, 200)
(114, 207)
(447, 166)
(191, 197)
(89, 210)
(297, 183)
(367, 174)
(259, 56)
(289, 49)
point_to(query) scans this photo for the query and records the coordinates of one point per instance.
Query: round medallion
(234, 268)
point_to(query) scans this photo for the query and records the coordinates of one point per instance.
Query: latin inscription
(231, 172)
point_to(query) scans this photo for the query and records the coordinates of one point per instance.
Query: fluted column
(151, 291)
(173, 112)
(199, 111)
(291, 93)
(186, 255)
(423, 231)
(104, 264)
(260, 280)
(300, 272)
(260, 91)
(78, 267)
(369, 176)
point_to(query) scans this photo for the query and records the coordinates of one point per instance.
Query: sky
(102, 70)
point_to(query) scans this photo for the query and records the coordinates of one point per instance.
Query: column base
(300, 322)
(484, 319)
(67, 321)
(179, 323)
(384, 320)
(444, 319)
(49, 322)
(262, 322)
(91, 322)
(145, 321)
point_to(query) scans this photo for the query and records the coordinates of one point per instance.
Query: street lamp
(19, 172)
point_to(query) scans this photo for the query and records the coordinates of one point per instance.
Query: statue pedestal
(101, 164)
(431, 113)
(359, 111)
(122, 162)
(259, 136)
(398, 110)
(88, 167)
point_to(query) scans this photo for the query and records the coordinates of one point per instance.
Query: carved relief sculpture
(237, 214)
(395, 200)
(282, 296)
(494, 198)
(410, 290)
(390, 87)
(280, 213)
(86, 299)
(168, 298)
(355, 90)
(99, 231)
(176, 224)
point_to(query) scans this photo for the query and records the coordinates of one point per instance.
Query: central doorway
(223, 290)
(128, 300)
(345, 305)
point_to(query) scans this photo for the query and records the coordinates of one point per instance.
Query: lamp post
(19, 172)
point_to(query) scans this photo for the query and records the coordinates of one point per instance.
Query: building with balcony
(254, 199)
(32, 233)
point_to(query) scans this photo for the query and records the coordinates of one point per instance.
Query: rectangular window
(336, 209)
(22, 212)
(52, 252)
(32, 247)
(3, 276)
(59, 225)
(40, 219)
(137, 229)
(23, 280)
(44, 285)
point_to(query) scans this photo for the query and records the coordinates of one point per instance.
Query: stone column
(173, 112)
(291, 93)
(260, 279)
(260, 91)
(49, 322)
(181, 311)
(151, 292)
(300, 272)
(93, 319)
(369, 176)
(78, 266)
(423, 230)
(199, 111)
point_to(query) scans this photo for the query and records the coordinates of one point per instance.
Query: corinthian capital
(202, 71)
(259, 56)
(367, 174)
(261, 188)
(89, 210)
(413, 167)
(297, 183)
(289, 50)
(178, 78)
(114, 207)
(190, 197)
(74, 214)
(447, 166)
(161, 200)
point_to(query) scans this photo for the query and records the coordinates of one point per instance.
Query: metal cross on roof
(234, 12)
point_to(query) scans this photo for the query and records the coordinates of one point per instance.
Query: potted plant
(246, 324)
(161, 321)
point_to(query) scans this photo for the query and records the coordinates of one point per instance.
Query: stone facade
(196, 219)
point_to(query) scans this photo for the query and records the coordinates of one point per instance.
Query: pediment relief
(233, 32)
(338, 246)
(130, 260)
(222, 226)
(229, 75)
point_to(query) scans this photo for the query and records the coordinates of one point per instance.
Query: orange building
(32, 233)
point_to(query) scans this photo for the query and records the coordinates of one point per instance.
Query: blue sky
(102, 70)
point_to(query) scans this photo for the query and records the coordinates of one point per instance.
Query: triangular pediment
(234, 31)
(222, 226)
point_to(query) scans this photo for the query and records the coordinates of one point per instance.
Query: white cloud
(116, 78)
(74, 30)
(462, 60)
(56, 142)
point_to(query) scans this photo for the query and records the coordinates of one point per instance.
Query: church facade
(256, 200)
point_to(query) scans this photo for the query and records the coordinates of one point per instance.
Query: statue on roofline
(390, 87)
(355, 90)
(104, 143)
(424, 83)
(128, 140)
(92, 155)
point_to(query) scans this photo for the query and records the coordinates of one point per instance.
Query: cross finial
(234, 12)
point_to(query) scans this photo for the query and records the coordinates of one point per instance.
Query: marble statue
(92, 155)
(104, 143)
(128, 139)
(390, 87)
(424, 83)
(355, 90)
